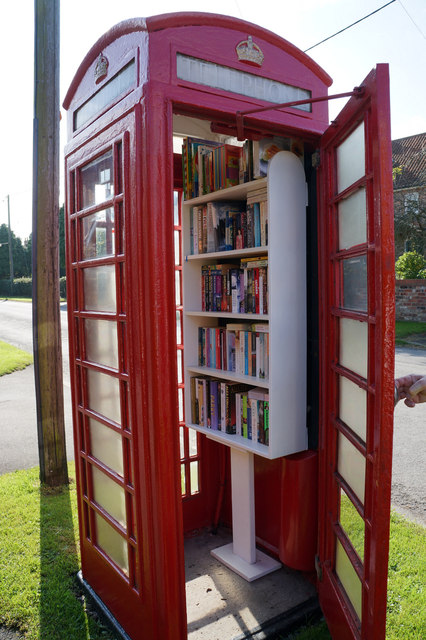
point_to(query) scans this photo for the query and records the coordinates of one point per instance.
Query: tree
(21, 259)
(410, 222)
(410, 266)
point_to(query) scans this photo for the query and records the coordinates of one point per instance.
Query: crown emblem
(249, 52)
(101, 68)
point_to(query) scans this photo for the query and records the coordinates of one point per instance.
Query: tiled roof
(409, 154)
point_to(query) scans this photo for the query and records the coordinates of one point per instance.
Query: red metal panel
(373, 109)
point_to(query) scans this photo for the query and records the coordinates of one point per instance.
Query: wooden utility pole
(46, 312)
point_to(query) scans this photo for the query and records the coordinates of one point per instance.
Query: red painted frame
(374, 109)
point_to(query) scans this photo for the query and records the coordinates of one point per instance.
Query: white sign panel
(247, 84)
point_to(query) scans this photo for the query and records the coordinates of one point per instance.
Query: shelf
(251, 317)
(234, 441)
(238, 192)
(229, 375)
(232, 253)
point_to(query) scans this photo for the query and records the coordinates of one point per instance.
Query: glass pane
(355, 283)
(98, 234)
(104, 395)
(194, 477)
(182, 479)
(182, 442)
(99, 289)
(176, 206)
(193, 449)
(109, 495)
(106, 446)
(178, 327)
(354, 345)
(177, 285)
(352, 220)
(349, 579)
(97, 181)
(180, 404)
(112, 543)
(352, 523)
(353, 406)
(351, 159)
(101, 342)
(177, 247)
(179, 366)
(351, 466)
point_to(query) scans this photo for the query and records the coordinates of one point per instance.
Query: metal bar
(357, 91)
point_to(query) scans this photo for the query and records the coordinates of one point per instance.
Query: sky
(395, 35)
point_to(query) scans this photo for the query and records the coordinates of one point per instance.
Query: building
(409, 174)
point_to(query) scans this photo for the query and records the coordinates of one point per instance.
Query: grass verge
(13, 359)
(405, 329)
(39, 559)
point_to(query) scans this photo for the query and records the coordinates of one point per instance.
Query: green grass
(16, 299)
(406, 604)
(404, 329)
(39, 560)
(13, 359)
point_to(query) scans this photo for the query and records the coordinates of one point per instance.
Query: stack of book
(230, 407)
(209, 166)
(239, 348)
(234, 288)
(226, 226)
(252, 415)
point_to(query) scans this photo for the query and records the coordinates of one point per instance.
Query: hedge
(22, 288)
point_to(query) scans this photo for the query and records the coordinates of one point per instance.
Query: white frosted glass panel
(178, 288)
(99, 288)
(104, 395)
(182, 442)
(192, 437)
(106, 445)
(101, 342)
(351, 466)
(179, 366)
(112, 543)
(179, 327)
(194, 477)
(109, 495)
(352, 220)
(177, 247)
(180, 404)
(353, 407)
(349, 579)
(176, 196)
(351, 159)
(354, 345)
(182, 479)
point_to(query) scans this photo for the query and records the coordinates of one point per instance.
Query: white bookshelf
(286, 252)
(286, 189)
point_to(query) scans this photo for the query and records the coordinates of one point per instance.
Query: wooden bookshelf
(286, 315)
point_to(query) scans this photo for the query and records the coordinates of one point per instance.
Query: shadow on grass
(64, 612)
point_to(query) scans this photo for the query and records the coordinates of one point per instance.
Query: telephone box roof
(189, 19)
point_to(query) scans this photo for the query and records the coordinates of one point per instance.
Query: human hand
(412, 388)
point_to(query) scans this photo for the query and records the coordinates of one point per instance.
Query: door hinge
(318, 568)
(316, 159)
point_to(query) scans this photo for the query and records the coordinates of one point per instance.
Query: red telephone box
(295, 294)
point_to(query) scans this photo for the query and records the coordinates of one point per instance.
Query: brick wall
(410, 300)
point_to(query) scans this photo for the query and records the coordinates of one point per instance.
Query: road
(18, 440)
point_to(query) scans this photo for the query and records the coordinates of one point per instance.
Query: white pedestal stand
(241, 555)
